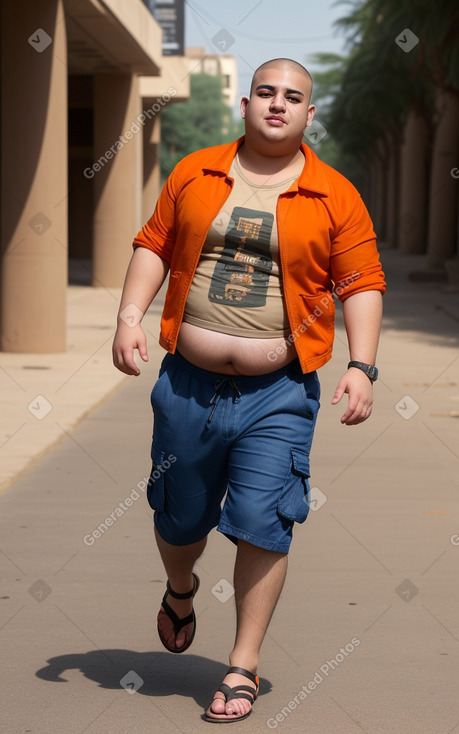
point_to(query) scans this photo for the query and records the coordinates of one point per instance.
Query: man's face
(278, 110)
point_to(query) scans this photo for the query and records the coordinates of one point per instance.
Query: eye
(293, 99)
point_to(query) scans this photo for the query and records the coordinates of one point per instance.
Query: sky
(257, 30)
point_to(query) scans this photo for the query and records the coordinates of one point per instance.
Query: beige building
(83, 86)
(222, 65)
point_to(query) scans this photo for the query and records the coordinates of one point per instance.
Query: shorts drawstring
(217, 394)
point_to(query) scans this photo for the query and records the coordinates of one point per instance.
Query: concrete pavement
(365, 636)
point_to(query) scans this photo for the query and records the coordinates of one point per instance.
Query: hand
(128, 338)
(360, 390)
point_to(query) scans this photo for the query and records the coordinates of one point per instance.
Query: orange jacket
(327, 245)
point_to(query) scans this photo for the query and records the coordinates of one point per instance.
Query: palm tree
(392, 105)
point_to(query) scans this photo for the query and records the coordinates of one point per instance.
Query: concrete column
(393, 187)
(442, 227)
(413, 186)
(117, 175)
(34, 177)
(151, 167)
(379, 191)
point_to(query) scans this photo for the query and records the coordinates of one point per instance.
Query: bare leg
(259, 576)
(178, 561)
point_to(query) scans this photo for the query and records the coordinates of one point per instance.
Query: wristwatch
(370, 370)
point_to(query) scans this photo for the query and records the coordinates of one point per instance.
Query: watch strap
(370, 370)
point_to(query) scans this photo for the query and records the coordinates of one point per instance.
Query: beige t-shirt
(237, 286)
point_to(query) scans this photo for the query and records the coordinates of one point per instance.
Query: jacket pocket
(315, 327)
(293, 503)
(155, 491)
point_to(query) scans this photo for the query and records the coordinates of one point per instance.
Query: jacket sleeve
(355, 263)
(158, 234)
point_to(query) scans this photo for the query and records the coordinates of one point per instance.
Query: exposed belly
(233, 355)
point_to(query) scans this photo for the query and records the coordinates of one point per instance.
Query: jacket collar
(312, 178)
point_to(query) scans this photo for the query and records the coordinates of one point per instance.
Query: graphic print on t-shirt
(241, 273)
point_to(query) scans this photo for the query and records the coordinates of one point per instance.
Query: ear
(244, 102)
(311, 111)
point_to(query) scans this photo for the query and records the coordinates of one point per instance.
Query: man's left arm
(362, 319)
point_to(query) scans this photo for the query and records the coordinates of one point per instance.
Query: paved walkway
(365, 637)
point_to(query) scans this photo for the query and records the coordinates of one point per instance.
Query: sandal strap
(246, 673)
(187, 594)
(175, 619)
(231, 693)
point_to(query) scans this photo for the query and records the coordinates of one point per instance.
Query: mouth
(275, 120)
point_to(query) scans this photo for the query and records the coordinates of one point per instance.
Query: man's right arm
(145, 276)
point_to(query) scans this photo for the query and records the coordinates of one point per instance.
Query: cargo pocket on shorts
(155, 489)
(293, 504)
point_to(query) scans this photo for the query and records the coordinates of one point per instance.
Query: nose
(277, 102)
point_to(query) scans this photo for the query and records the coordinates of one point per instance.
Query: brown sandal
(179, 623)
(249, 693)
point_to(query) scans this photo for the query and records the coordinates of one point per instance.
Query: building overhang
(112, 36)
(175, 73)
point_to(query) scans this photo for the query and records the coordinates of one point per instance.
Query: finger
(347, 418)
(358, 416)
(129, 367)
(338, 394)
(119, 363)
(352, 409)
(356, 410)
(142, 347)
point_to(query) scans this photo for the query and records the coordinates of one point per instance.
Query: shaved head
(281, 64)
(278, 110)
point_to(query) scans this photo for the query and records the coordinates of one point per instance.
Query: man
(260, 238)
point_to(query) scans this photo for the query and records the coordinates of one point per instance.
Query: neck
(257, 162)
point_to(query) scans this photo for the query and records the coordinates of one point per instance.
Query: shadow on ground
(151, 673)
(427, 308)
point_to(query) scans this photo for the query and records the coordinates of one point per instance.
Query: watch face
(370, 370)
(372, 373)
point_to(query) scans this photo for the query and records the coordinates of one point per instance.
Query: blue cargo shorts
(231, 452)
